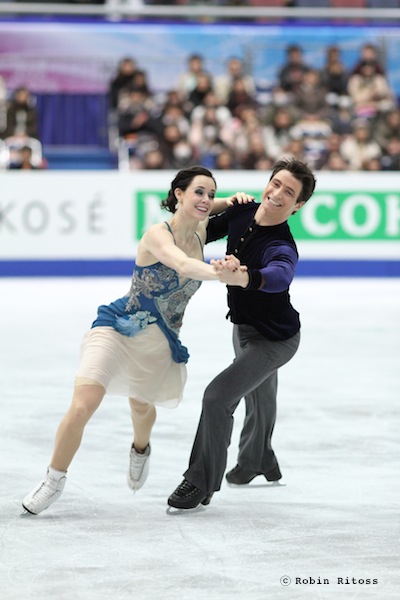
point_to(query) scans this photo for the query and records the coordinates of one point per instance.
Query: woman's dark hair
(182, 181)
(300, 171)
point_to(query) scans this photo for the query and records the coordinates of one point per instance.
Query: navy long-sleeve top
(270, 254)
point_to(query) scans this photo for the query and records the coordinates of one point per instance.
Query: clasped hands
(230, 271)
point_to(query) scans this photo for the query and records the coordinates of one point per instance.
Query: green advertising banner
(329, 216)
(349, 216)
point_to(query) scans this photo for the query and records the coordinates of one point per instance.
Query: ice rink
(337, 440)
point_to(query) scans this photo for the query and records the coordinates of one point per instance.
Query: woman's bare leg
(86, 400)
(143, 418)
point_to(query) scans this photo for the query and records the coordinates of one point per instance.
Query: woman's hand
(221, 204)
(230, 271)
(240, 198)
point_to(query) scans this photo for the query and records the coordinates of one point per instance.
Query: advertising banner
(89, 223)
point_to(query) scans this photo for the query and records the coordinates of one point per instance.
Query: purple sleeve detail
(279, 269)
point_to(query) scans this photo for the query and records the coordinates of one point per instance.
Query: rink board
(89, 223)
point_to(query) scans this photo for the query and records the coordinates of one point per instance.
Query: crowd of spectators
(334, 118)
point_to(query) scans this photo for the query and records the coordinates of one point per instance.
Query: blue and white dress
(133, 348)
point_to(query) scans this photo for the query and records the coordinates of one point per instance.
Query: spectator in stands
(256, 153)
(334, 76)
(370, 91)
(335, 162)
(310, 95)
(135, 113)
(210, 100)
(279, 99)
(127, 68)
(246, 126)
(23, 160)
(341, 118)
(225, 160)
(172, 96)
(22, 116)
(173, 114)
(211, 112)
(16, 144)
(331, 154)
(223, 84)
(264, 163)
(140, 81)
(207, 135)
(153, 160)
(372, 164)
(294, 149)
(390, 160)
(358, 148)
(292, 72)
(314, 132)
(370, 53)
(141, 146)
(277, 134)
(187, 81)
(175, 148)
(387, 127)
(199, 92)
(239, 97)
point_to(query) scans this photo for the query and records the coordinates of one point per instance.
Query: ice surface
(337, 440)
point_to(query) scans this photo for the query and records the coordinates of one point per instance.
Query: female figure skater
(133, 346)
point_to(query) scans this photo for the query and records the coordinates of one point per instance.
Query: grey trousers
(253, 376)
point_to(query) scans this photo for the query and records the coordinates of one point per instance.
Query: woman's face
(197, 200)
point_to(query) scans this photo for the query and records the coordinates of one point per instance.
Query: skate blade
(267, 484)
(26, 513)
(172, 511)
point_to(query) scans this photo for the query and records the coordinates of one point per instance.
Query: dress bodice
(156, 296)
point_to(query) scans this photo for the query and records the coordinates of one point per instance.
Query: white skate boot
(139, 465)
(47, 492)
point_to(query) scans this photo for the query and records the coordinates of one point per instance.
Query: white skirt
(140, 367)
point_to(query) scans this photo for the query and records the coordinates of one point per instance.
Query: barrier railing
(119, 9)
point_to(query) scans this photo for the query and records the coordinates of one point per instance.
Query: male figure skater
(266, 335)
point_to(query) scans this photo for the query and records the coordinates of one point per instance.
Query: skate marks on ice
(336, 436)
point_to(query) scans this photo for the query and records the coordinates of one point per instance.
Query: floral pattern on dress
(172, 305)
(150, 281)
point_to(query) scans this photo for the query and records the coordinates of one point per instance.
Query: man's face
(280, 197)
